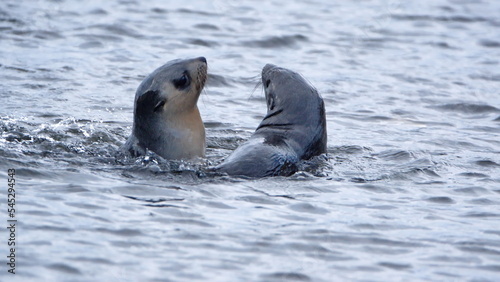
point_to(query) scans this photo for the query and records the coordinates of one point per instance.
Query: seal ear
(150, 101)
(159, 106)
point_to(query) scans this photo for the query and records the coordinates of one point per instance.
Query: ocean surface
(409, 189)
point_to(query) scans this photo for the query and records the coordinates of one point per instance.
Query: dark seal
(166, 116)
(294, 128)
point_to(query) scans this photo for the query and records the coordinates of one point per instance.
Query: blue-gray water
(410, 189)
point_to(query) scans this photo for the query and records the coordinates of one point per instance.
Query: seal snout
(267, 68)
(201, 72)
(266, 74)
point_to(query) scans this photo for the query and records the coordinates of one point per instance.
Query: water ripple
(407, 191)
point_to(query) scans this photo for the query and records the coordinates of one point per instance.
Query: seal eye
(268, 82)
(182, 82)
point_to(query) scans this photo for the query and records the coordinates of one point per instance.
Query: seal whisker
(257, 84)
(203, 96)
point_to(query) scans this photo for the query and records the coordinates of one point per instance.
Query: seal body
(166, 116)
(293, 129)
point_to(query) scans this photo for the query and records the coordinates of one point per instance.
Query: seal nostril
(268, 82)
(203, 59)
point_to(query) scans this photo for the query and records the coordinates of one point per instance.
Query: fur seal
(294, 128)
(166, 117)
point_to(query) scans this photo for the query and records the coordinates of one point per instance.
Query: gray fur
(294, 128)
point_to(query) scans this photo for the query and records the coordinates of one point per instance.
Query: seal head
(166, 117)
(293, 129)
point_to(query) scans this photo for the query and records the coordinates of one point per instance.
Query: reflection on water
(409, 188)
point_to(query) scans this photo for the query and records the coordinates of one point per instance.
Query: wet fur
(166, 116)
(294, 128)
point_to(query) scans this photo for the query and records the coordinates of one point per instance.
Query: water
(409, 190)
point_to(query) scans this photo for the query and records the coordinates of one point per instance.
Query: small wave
(412, 79)
(79, 142)
(260, 200)
(154, 200)
(357, 239)
(91, 44)
(159, 10)
(318, 166)
(207, 26)
(395, 155)
(35, 173)
(5, 17)
(474, 175)
(489, 43)
(487, 77)
(482, 215)
(99, 37)
(487, 163)
(285, 41)
(443, 45)
(18, 69)
(46, 34)
(215, 80)
(195, 12)
(421, 169)
(125, 232)
(202, 42)
(99, 11)
(472, 191)
(64, 268)
(308, 208)
(98, 260)
(373, 188)
(226, 139)
(348, 150)
(117, 29)
(441, 200)
(468, 108)
(462, 19)
(395, 266)
(412, 173)
(483, 202)
(286, 276)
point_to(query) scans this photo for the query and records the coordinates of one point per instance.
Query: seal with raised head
(294, 128)
(166, 117)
